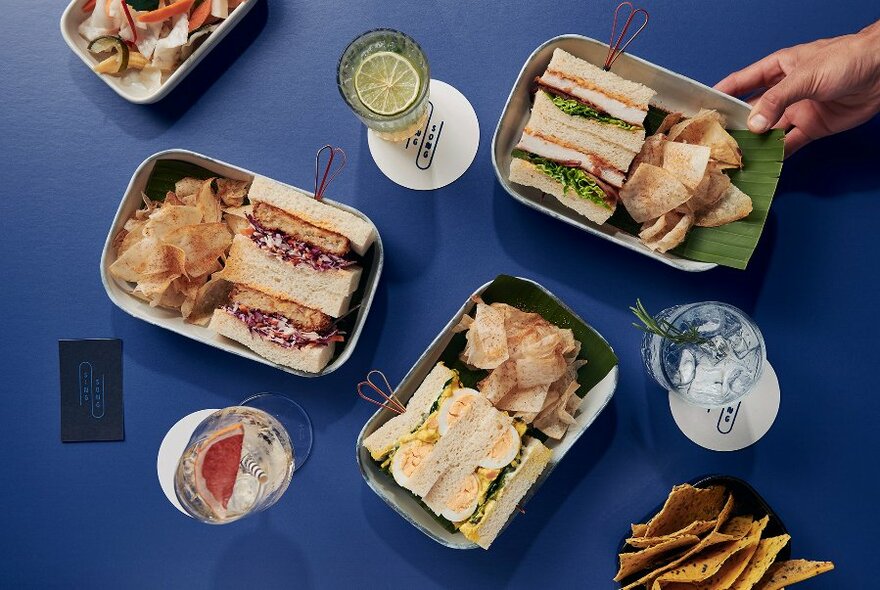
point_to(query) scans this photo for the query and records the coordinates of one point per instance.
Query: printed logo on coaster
(733, 427)
(438, 153)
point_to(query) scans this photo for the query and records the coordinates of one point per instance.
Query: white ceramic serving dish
(74, 15)
(119, 291)
(405, 503)
(674, 93)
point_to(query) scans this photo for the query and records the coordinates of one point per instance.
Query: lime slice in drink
(387, 83)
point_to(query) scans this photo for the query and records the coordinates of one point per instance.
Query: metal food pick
(391, 402)
(321, 188)
(614, 48)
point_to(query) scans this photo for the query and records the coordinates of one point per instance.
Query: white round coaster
(440, 152)
(733, 427)
(172, 447)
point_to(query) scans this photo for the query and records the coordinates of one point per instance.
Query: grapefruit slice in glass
(217, 467)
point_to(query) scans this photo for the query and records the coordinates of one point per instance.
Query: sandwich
(278, 329)
(468, 462)
(294, 267)
(585, 129)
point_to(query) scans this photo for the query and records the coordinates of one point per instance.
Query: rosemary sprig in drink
(663, 328)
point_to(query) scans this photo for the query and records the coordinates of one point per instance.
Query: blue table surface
(93, 515)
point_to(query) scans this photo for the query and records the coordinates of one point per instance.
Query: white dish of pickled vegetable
(143, 48)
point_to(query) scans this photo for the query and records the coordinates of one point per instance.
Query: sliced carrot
(89, 5)
(199, 15)
(161, 14)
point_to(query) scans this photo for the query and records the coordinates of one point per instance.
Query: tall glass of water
(719, 366)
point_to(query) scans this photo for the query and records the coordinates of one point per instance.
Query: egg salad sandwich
(293, 268)
(585, 129)
(468, 462)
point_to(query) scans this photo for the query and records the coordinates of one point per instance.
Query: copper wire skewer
(391, 402)
(321, 188)
(614, 48)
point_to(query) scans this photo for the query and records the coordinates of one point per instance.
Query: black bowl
(748, 501)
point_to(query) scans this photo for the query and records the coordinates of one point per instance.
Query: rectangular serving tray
(73, 16)
(119, 291)
(403, 502)
(674, 93)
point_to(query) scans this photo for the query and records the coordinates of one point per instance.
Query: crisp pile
(678, 180)
(533, 365)
(696, 541)
(170, 248)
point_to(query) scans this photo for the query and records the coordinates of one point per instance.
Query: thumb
(770, 108)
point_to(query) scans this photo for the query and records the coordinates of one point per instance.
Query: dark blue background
(92, 515)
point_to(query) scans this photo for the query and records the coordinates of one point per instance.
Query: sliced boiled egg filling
(454, 408)
(464, 503)
(504, 451)
(407, 459)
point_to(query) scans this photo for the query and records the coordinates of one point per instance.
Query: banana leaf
(732, 244)
(167, 172)
(529, 297)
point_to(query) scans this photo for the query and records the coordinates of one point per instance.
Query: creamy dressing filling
(278, 329)
(633, 115)
(295, 251)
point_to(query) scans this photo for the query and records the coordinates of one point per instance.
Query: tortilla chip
(651, 152)
(499, 382)
(707, 129)
(679, 223)
(203, 244)
(669, 121)
(734, 566)
(714, 538)
(785, 573)
(760, 562)
(188, 186)
(688, 163)
(536, 371)
(168, 218)
(630, 563)
(148, 258)
(733, 205)
(486, 340)
(698, 528)
(207, 202)
(232, 193)
(639, 530)
(209, 297)
(654, 229)
(652, 191)
(524, 399)
(685, 505)
(709, 191)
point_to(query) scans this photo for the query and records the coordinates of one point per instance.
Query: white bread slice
(534, 459)
(629, 140)
(616, 96)
(479, 443)
(522, 172)
(385, 437)
(327, 291)
(456, 445)
(361, 233)
(310, 359)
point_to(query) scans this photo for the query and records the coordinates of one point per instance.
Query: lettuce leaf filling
(570, 178)
(579, 109)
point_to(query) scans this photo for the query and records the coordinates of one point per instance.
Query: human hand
(815, 89)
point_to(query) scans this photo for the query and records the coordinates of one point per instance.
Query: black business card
(91, 390)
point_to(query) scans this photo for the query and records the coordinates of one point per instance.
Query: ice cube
(707, 385)
(737, 379)
(708, 320)
(244, 493)
(717, 348)
(686, 369)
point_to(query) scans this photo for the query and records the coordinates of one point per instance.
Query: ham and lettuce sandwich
(585, 129)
